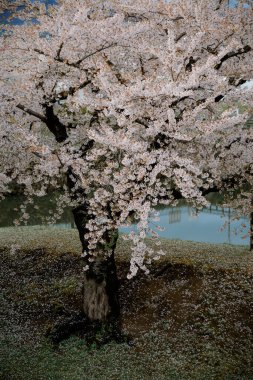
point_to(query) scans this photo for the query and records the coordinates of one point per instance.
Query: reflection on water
(213, 224)
(42, 208)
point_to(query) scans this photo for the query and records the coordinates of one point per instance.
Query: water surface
(213, 224)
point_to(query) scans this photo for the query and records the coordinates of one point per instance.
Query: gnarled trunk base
(101, 300)
(99, 321)
(100, 285)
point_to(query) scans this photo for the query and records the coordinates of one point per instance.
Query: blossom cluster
(135, 102)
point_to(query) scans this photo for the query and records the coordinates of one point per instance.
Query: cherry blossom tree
(124, 105)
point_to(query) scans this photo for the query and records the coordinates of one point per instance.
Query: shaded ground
(190, 319)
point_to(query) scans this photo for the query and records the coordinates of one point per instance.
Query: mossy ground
(191, 318)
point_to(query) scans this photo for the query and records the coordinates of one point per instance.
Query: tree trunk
(100, 286)
(251, 230)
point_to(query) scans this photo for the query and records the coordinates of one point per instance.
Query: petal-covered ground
(191, 318)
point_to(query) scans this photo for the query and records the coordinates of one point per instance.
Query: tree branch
(165, 14)
(175, 102)
(115, 71)
(142, 67)
(70, 91)
(190, 63)
(56, 58)
(77, 63)
(32, 113)
(240, 51)
(54, 125)
(59, 51)
(51, 120)
(179, 37)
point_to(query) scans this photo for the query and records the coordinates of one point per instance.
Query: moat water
(213, 224)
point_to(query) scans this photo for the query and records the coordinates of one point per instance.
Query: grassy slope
(190, 319)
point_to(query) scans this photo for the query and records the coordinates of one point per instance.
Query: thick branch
(175, 102)
(32, 113)
(51, 120)
(243, 50)
(54, 125)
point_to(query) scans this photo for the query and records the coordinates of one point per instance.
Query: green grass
(74, 361)
(55, 240)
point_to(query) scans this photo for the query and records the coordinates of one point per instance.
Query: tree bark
(100, 284)
(251, 228)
